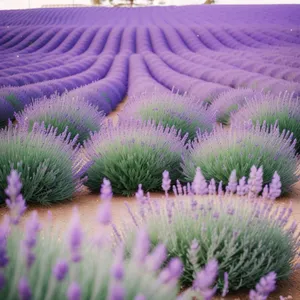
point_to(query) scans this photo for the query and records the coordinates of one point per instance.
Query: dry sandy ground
(87, 205)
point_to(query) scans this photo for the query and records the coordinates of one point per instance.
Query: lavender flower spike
(74, 292)
(156, 258)
(24, 289)
(32, 228)
(106, 190)
(199, 185)
(166, 182)
(205, 279)
(226, 285)
(266, 285)
(242, 188)
(172, 272)
(16, 202)
(232, 184)
(75, 235)
(275, 187)
(142, 246)
(60, 270)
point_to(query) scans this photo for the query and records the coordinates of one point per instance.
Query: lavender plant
(49, 165)
(133, 152)
(35, 264)
(248, 235)
(230, 101)
(77, 114)
(240, 148)
(169, 109)
(283, 109)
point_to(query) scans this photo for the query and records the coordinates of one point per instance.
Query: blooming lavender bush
(229, 102)
(182, 112)
(36, 265)
(283, 108)
(49, 165)
(247, 235)
(240, 148)
(64, 111)
(133, 152)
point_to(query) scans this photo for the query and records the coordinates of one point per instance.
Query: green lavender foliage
(77, 114)
(239, 148)
(93, 272)
(283, 109)
(49, 165)
(247, 237)
(132, 153)
(182, 112)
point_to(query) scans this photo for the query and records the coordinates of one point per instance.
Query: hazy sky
(19, 4)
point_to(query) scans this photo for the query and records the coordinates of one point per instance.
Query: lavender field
(199, 105)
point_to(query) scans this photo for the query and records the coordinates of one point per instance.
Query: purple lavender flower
(255, 181)
(117, 269)
(31, 230)
(4, 231)
(242, 188)
(117, 292)
(24, 289)
(166, 182)
(106, 190)
(74, 292)
(16, 202)
(275, 187)
(75, 236)
(205, 279)
(104, 213)
(60, 270)
(265, 193)
(199, 185)
(232, 184)
(212, 187)
(266, 285)
(156, 258)
(140, 297)
(172, 272)
(142, 246)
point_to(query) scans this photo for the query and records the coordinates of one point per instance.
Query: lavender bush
(229, 102)
(133, 152)
(77, 114)
(49, 165)
(283, 109)
(168, 109)
(248, 235)
(240, 148)
(35, 264)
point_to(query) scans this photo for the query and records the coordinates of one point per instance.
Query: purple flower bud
(266, 285)
(242, 188)
(60, 270)
(117, 292)
(16, 202)
(232, 184)
(139, 194)
(156, 258)
(104, 213)
(75, 236)
(166, 182)
(265, 193)
(140, 297)
(142, 246)
(212, 187)
(24, 289)
(199, 185)
(32, 228)
(4, 232)
(275, 187)
(106, 191)
(74, 292)
(255, 181)
(205, 279)
(176, 268)
(117, 269)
